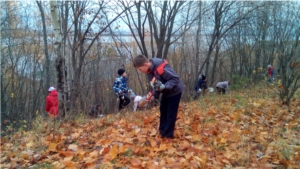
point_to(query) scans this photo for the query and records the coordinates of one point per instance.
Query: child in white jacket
(222, 87)
(139, 101)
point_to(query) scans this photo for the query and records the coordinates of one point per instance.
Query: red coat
(271, 72)
(52, 103)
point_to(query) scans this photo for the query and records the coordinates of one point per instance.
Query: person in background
(140, 101)
(164, 80)
(52, 102)
(200, 86)
(270, 73)
(95, 110)
(136, 100)
(120, 88)
(222, 87)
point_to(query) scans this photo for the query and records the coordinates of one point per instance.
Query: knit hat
(121, 71)
(269, 66)
(51, 89)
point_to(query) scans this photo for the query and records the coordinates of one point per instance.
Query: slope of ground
(248, 129)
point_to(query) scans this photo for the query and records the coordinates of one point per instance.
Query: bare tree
(21, 65)
(162, 29)
(85, 32)
(288, 51)
(226, 16)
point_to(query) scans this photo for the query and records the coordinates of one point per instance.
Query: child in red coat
(52, 102)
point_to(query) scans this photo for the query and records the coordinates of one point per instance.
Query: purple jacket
(169, 78)
(223, 85)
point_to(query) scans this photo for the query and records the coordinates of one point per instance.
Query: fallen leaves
(223, 133)
(136, 162)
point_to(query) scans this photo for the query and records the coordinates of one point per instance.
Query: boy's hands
(159, 86)
(121, 94)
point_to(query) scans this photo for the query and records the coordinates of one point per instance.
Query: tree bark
(59, 60)
(47, 62)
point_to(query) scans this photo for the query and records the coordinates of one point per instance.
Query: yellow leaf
(256, 104)
(113, 152)
(163, 147)
(223, 141)
(52, 147)
(197, 158)
(30, 144)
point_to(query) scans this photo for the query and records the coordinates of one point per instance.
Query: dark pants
(220, 90)
(123, 102)
(168, 114)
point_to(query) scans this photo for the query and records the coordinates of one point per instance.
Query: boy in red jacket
(166, 81)
(52, 102)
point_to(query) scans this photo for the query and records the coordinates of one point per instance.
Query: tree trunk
(59, 60)
(198, 45)
(47, 62)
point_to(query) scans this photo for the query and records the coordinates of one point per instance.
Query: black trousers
(220, 90)
(123, 102)
(168, 114)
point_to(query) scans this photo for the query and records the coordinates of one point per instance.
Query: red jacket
(271, 72)
(52, 103)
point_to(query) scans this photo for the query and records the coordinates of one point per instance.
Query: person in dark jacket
(164, 80)
(52, 102)
(95, 110)
(201, 86)
(121, 90)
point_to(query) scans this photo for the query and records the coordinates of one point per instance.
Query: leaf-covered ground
(249, 129)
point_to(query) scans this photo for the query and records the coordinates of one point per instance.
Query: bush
(238, 82)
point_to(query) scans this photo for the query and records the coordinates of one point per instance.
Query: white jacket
(223, 85)
(136, 101)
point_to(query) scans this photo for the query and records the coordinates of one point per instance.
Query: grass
(43, 165)
(128, 153)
